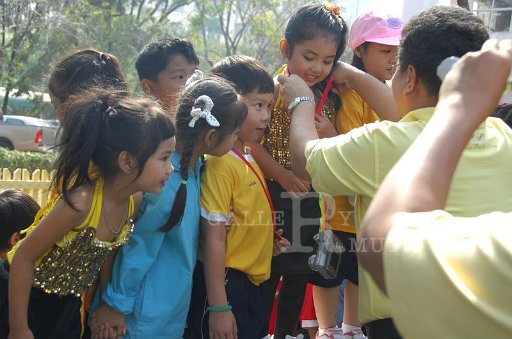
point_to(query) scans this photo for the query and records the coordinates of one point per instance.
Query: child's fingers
(112, 333)
(99, 332)
(105, 330)
(293, 195)
(284, 243)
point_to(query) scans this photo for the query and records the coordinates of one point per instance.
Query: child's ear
(126, 162)
(358, 52)
(210, 138)
(15, 237)
(284, 48)
(147, 86)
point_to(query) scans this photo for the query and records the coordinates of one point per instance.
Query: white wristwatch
(295, 102)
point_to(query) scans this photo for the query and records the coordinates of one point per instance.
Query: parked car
(21, 133)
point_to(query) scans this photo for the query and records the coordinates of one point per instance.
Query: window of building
(496, 14)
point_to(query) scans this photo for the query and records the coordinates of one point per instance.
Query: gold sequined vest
(72, 265)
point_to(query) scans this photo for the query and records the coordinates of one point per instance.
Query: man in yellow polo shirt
(446, 276)
(357, 162)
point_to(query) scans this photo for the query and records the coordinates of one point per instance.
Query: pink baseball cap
(373, 28)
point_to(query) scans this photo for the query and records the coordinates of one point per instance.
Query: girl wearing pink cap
(374, 40)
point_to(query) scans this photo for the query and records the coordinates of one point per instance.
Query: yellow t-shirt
(228, 182)
(354, 113)
(455, 271)
(356, 163)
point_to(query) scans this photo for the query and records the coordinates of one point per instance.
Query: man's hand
(291, 87)
(476, 82)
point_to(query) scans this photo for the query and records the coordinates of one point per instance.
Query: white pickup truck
(23, 133)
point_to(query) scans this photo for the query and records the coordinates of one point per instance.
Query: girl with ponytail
(140, 301)
(76, 235)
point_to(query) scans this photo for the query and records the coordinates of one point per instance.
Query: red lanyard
(265, 188)
(327, 89)
(324, 96)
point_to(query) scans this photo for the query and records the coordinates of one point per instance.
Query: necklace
(123, 219)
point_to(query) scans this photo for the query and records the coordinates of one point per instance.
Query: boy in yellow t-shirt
(227, 298)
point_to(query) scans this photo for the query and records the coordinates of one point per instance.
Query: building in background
(496, 14)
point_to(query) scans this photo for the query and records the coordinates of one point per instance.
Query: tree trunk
(5, 101)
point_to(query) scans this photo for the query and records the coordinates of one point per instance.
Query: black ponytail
(81, 135)
(100, 124)
(178, 207)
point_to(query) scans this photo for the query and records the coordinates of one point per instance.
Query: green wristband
(223, 308)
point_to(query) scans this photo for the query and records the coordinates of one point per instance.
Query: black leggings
(300, 221)
(289, 302)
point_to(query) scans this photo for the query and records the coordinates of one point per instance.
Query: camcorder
(327, 259)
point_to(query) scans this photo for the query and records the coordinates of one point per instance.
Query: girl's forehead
(321, 45)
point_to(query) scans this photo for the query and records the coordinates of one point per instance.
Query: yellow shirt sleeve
(343, 165)
(354, 112)
(216, 191)
(457, 272)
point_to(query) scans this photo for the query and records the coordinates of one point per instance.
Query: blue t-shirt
(152, 274)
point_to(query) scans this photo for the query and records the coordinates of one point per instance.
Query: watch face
(293, 104)
(296, 101)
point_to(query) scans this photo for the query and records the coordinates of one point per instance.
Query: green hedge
(29, 160)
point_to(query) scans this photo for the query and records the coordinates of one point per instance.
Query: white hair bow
(196, 76)
(203, 109)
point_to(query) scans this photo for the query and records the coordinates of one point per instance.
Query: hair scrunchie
(203, 109)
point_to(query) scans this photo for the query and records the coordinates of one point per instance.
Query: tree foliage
(36, 33)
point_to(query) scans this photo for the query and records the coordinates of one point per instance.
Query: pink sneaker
(330, 333)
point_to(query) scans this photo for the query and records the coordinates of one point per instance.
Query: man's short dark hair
(435, 34)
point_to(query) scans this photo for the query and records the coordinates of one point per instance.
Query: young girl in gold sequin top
(314, 40)
(75, 236)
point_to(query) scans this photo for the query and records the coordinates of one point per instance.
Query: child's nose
(267, 115)
(317, 66)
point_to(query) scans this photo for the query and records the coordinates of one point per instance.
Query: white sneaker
(352, 335)
(330, 333)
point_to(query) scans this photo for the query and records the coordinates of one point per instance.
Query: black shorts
(246, 299)
(348, 265)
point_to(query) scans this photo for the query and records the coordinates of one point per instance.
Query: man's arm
(421, 179)
(302, 127)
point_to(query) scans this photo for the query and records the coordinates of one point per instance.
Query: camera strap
(263, 186)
